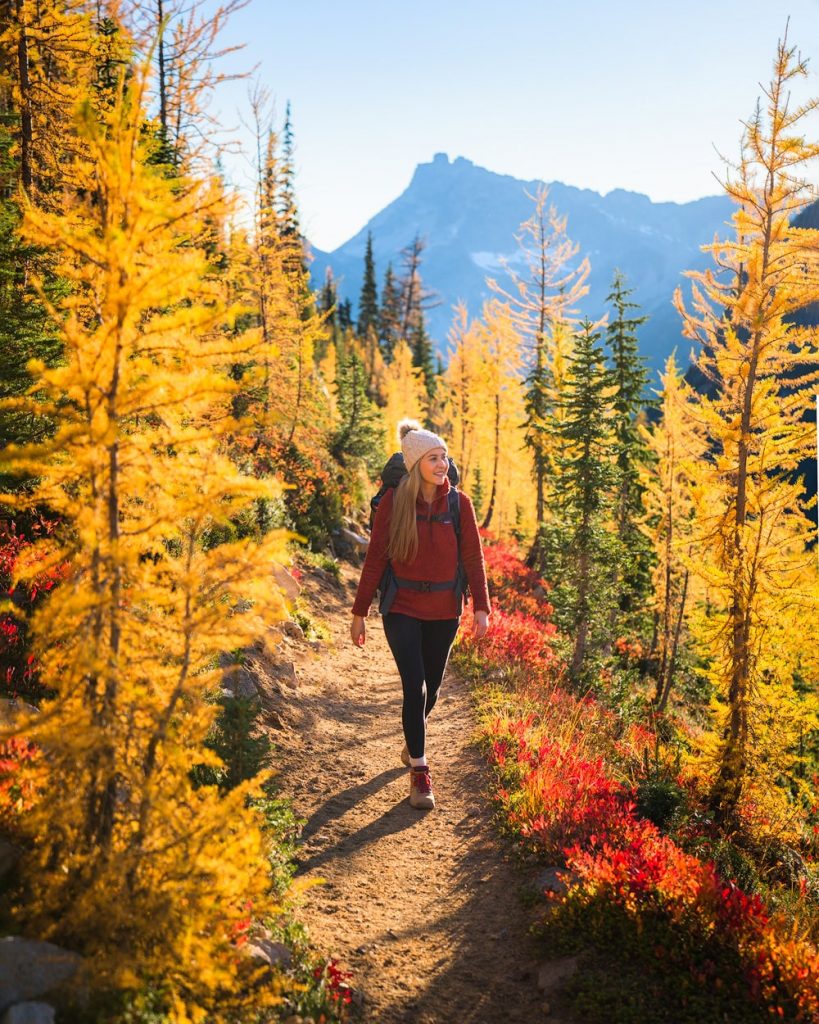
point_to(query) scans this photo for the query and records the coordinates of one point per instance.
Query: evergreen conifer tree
(478, 496)
(389, 318)
(345, 314)
(422, 355)
(368, 301)
(586, 477)
(543, 299)
(328, 308)
(360, 434)
(630, 378)
(288, 208)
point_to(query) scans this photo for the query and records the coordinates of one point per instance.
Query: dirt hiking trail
(422, 906)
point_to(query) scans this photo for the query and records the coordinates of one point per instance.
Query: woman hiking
(414, 557)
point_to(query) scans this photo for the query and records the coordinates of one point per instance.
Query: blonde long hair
(403, 542)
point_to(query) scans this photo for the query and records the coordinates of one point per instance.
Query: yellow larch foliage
(368, 349)
(460, 402)
(677, 443)
(131, 863)
(485, 412)
(289, 406)
(542, 302)
(50, 58)
(404, 393)
(750, 525)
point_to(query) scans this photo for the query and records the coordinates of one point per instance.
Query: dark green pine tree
(345, 314)
(478, 496)
(586, 477)
(288, 208)
(368, 301)
(26, 331)
(287, 211)
(389, 315)
(630, 377)
(329, 306)
(328, 298)
(537, 427)
(360, 436)
(422, 354)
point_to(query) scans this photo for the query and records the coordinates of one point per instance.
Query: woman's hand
(358, 631)
(480, 624)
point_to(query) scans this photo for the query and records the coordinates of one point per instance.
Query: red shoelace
(422, 781)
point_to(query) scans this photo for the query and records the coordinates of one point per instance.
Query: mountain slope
(469, 217)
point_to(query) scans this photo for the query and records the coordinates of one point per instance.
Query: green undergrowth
(655, 974)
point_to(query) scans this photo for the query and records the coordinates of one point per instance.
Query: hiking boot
(421, 789)
(405, 758)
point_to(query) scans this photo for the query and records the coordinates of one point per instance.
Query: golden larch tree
(130, 862)
(543, 295)
(750, 523)
(404, 395)
(460, 402)
(677, 443)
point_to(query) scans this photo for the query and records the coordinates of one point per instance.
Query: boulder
(272, 953)
(292, 629)
(285, 672)
(12, 710)
(348, 542)
(553, 973)
(29, 969)
(240, 683)
(290, 587)
(556, 880)
(237, 681)
(28, 1013)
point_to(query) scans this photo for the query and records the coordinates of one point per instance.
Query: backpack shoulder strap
(455, 512)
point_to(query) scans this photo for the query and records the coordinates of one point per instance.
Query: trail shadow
(484, 982)
(339, 804)
(349, 709)
(396, 819)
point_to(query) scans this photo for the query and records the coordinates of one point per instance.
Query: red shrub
(18, 670)
(20, 778)
(558, 790)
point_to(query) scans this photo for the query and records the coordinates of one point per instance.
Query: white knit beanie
(415, 441)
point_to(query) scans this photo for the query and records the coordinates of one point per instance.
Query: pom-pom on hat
(415, 441)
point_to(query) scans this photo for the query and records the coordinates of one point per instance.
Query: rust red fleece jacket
(436, 562)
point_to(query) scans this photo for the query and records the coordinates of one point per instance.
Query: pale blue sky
(595, 93)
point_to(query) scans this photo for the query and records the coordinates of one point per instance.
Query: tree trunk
(26, 123)
(491, 508)
(581, 639)
(162, 83)
(672, 659)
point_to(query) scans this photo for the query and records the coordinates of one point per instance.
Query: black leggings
(421, 649)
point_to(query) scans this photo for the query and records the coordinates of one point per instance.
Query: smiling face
(433, 466)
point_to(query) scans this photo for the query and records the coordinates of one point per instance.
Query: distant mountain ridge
(469, 217)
